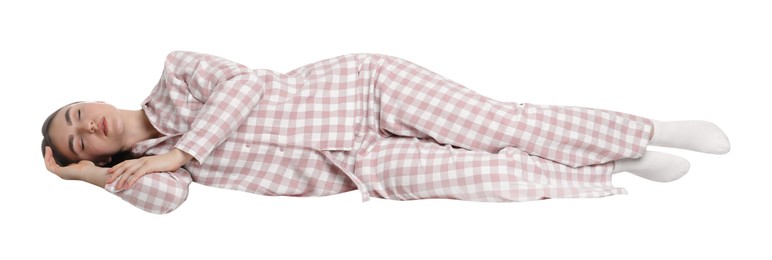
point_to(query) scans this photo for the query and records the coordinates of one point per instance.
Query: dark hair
(59, 158)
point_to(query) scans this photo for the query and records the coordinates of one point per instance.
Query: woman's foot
(655, 166)
(700, 136)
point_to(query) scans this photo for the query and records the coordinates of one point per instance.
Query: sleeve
(228, 91)
(157, 193)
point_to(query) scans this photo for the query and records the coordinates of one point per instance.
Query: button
(281, 148)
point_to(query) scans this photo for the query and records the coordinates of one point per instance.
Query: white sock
(700, 136)
(655, 166)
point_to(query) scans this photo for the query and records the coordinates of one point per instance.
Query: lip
(103, 126)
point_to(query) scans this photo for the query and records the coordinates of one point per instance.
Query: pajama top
(250, 130)
(372, 123)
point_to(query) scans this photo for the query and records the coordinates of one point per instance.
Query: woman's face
(88, 131)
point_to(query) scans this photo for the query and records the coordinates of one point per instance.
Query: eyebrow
(67, 116)
(70, 141)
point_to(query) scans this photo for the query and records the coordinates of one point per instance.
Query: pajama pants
(424, 136)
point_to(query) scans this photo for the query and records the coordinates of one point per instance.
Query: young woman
(374, 123)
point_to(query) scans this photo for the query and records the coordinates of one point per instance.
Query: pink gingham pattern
(157, 193)
(375, 123)
(425, 136)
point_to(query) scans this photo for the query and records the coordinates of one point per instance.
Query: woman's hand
(83, 170)
(131, 170)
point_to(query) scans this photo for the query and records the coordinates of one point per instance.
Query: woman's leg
(655, 166)
(407, 168)
(695, 135)
(420, 103)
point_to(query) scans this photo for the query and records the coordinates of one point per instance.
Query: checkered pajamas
(429, 137)
(376, 123)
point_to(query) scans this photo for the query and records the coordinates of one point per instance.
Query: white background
(668, 60)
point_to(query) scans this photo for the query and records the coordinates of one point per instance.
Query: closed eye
(82, 144)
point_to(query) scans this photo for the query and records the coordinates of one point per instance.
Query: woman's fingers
(51, 165)
(118, 170)
(113, 175)
(115, 167)
(130, 170)
(48, 159)
(134, 177)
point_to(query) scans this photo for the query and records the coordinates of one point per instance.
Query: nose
(87, 126)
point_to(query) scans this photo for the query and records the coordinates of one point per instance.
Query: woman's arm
(223, 94)
(155, 193)
(82, 171)
(158, 193)
(227, 91)
(130, 171)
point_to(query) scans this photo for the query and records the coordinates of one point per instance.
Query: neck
(136, 127)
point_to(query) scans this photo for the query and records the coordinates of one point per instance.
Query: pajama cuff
(657, 127)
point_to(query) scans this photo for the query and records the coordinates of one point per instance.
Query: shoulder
(178, 56)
